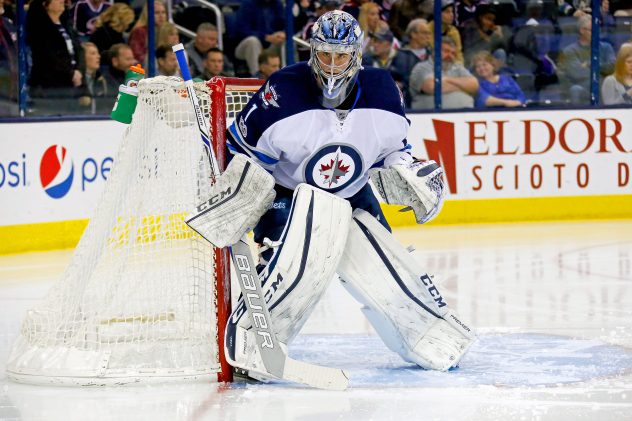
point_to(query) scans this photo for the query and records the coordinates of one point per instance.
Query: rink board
(500, 167)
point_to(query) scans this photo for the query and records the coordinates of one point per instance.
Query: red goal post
(225, 108)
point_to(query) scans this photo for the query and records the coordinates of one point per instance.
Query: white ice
(552, 303)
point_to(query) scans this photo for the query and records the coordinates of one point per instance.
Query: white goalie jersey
(287, 131)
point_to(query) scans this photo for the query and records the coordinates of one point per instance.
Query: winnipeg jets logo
(333, 167)
(269, 96)
(334, 170)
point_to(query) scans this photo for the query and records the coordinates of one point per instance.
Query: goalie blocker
(237, 200)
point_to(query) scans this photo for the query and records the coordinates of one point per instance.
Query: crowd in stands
(494, 53)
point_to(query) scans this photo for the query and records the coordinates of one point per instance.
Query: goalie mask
(336, 55)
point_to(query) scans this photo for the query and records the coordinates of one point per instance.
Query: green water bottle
(128, 95)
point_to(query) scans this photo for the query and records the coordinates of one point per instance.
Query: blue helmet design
(336, 54)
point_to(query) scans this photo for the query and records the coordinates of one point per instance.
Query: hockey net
(144, 298)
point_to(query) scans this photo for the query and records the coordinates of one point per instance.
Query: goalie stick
(275, 359)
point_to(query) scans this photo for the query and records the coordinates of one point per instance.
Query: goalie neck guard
(336, 55)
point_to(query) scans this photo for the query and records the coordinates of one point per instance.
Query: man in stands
(458, 86)
(574, 62)
(261, 25)
(167, 62)
(398, 62)
(269, 62)
(120, 57)
(214, 65)
(418, 33)
(206, 38)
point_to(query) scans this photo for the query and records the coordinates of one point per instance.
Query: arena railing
(548, 48)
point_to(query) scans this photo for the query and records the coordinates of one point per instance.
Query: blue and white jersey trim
(265, 160)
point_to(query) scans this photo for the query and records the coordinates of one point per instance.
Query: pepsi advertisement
(54, 171)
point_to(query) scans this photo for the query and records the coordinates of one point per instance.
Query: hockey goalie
(303, 152)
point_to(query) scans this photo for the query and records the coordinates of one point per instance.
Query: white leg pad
(298, 273)
(402, 304)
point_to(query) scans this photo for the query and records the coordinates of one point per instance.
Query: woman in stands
(370, 22)
(138, 36)
(110, 26)
(94, 85)
(495, 90)
(617, 88)
(168, 35)
(54, 51)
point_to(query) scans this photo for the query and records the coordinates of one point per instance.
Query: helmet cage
(336, 81)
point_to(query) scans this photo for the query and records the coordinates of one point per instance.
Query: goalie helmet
(336, 55)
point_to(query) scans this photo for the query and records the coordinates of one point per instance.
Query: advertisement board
(529, 153)
(54, 171)
(502, 166)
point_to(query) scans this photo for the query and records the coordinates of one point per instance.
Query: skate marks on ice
(497, 359)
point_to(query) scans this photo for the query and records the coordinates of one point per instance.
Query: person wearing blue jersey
(304, 149)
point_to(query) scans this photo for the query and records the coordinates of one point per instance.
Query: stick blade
(315, 375)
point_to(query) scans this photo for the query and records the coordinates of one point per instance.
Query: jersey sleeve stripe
(253, 152)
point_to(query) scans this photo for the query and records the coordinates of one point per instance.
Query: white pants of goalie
(302, 267)
(399, 299)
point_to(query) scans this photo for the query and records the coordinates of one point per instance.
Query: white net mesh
(137, 300)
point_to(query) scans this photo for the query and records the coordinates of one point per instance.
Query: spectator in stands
(269, 62)
(529, 50)
(458, 86)
(617, 88)
(353, 7)
(398, 62)
(482, 34)
(166, 61)
(495, 90)
(370, 22)
(138, 36)
(111, 25)
(418, 34)
(206, 38)
(320, 8)
(8, 57)
(579, 8)
(261, 24)
(404, 11)
(448, 29)
(54, 51)
(620, 8)
(464, 11)
(303, 11)
(168, 35)
(214, 65)
(85, 13)
(120, 58)
(94, 85)
(574, 63)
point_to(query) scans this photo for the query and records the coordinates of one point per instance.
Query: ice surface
(552, 302)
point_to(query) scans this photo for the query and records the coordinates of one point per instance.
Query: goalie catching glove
(241, 195)
(418, 185)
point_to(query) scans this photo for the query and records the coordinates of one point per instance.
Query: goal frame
(219, 86)
(144, 299)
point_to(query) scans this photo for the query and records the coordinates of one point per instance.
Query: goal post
(144, 298)
(229, 96)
